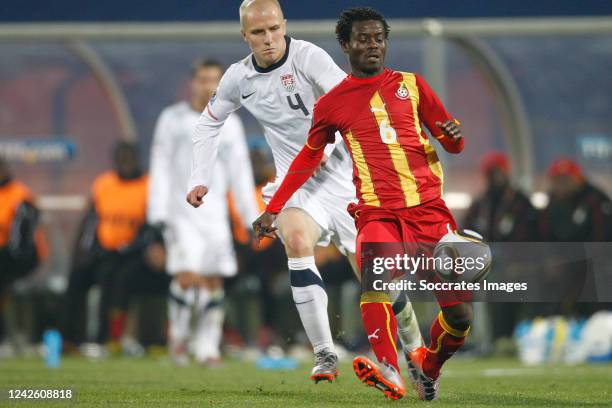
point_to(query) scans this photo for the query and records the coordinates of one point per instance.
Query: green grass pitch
(150, 383)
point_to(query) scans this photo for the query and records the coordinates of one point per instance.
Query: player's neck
(366, 75)
(262, 66)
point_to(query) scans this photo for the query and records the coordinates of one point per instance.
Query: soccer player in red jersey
(398, 178)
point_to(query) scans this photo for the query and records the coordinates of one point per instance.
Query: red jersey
(380, 119)
(394, 164)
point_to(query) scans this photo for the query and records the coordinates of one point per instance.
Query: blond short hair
(248, 3)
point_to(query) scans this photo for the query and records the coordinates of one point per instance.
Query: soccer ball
(462, 255)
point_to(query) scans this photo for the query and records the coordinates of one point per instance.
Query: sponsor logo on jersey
(247, 95)
(288, 82)
(402, 92)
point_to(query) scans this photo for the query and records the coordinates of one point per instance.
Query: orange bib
(11, 196)
(121, 208)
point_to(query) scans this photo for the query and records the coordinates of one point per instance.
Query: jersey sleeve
(321, 131)
(205, 135)
(160, 168)
(240, 171)
(322, 70)
(431, 110)
(300, 170)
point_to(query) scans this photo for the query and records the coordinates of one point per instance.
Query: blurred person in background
(116, 250)
(22, 244)
(502, 214)
(199, 241)
(578, 212)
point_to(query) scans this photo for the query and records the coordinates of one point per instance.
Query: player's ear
(243, 35)
(344, 46)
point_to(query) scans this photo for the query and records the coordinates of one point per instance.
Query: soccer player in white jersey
(199, 242)
(278, 84)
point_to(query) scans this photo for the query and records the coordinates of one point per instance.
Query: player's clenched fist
(195, 196)
(262, 226)
(451, 129)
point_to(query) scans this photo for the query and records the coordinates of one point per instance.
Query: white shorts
(328, 210)
(207, 254)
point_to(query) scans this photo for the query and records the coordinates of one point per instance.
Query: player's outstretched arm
(205, 136)
(436, 118)
(205, 147)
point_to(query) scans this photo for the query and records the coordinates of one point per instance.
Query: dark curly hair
(349, 16)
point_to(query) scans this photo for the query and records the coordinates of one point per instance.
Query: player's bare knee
(210, 282)
(298, 245)
(299, 232)
(458, 316)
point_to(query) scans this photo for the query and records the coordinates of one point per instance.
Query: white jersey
(170, 170)
(281, 98)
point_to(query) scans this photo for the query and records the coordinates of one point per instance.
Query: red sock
(445, 340)
(116, 324)
(380, 325)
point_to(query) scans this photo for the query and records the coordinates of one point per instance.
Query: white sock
(407, 324)
(311, 301)
(180, 303)
(209, 328)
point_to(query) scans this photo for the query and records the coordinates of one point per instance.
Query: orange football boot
(384, 378)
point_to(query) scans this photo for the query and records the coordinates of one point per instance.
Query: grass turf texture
(149, 382)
